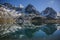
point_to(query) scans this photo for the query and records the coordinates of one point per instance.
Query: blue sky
(40, 5)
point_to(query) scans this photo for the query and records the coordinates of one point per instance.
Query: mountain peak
(30, 8)
(49, 13)
(49, 9)
(7, 4)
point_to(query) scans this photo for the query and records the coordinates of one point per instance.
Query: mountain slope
(50, 13)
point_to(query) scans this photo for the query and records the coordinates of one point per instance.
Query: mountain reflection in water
(45, 32)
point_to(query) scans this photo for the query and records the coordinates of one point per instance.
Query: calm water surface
(45, 32)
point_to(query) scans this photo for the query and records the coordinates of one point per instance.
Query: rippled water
(44, 32)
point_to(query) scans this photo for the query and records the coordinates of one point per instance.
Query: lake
(42, 32)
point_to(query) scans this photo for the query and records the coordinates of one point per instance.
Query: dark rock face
(18, 9)
(0, 5)
(8, 5)
(30, 8)
(20, 20)
(49, 13)
(37, 20)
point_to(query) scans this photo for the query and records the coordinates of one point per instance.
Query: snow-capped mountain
(31, 9)
(49, 13)
(7, 18)
(7, 5)
(10, 11)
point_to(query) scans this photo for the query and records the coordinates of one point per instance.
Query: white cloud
(21, 6)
